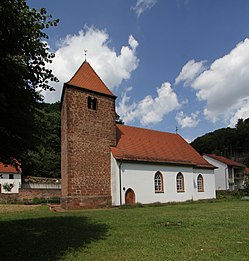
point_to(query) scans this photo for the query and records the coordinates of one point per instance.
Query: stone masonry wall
(28, 194)
(64, 159)
(86, 141)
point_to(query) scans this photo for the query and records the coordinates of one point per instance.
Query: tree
(118, 119)
(43, 159)
(228, 142)
(221, 142)
(246, 186)
(23, 58)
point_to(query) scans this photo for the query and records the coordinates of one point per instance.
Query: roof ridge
(140, 128)
(96, 74)
(75, 72)
(86, 78)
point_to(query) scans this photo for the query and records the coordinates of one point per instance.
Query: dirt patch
(16, 208)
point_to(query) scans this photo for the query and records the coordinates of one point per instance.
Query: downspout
(226, 178)
(120, 183)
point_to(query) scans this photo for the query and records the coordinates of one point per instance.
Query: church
(104, 163)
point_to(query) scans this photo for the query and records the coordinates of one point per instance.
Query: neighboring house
(9, 175)
(229, 174)
(104, 163)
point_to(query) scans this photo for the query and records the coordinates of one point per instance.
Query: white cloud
(224, 86)
(149, 110)
(143, 5)
(241, 113)
(112, 67)
(190, 71)
(186, 121)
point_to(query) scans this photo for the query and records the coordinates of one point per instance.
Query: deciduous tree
(24, 54)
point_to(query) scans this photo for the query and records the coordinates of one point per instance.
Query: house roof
(86, 78)
(226, 160)
(139, 144)
(8, 169)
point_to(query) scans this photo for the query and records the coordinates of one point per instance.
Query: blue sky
(171, 63)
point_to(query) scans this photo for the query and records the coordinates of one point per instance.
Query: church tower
(88, 131)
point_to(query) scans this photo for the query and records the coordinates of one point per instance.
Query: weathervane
(85, 53)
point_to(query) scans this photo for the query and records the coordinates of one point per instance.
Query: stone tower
(88, 131)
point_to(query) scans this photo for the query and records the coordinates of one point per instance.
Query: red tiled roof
(155, 146)
(226, 160)
(8, 169)
(86, 78)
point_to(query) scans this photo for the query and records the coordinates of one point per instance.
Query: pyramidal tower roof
(86, 78)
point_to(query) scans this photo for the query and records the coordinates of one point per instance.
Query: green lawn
(191, 231)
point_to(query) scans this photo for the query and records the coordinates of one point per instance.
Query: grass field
(189, 231)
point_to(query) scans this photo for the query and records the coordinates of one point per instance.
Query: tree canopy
(43, 159)
(24, 54)
(228, 142)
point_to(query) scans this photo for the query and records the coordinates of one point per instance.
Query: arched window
(200, 183)
(92, 103)
(158, 182)
(179, 182)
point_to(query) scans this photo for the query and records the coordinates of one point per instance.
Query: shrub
(45, 200)
(137, 205)
(8, 186)
(226, 194)
(246, 186)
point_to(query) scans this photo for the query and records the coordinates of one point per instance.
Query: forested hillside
(228, 142)
(44, 159)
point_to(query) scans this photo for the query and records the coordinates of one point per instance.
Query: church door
(130, 197)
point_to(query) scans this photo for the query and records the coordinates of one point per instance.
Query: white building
(151, 166)
(229, 174)
(11, 177)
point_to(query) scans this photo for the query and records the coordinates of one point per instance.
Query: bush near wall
(234, 194)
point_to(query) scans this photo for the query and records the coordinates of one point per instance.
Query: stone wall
(28, 194)
(87, 135)
(38, 193)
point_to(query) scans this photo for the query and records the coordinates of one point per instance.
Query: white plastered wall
(140, 178)
(16, 181)
(221, 173)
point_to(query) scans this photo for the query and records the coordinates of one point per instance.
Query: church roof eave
(144, 145)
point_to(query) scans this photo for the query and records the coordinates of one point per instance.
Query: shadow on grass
(47, 238)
